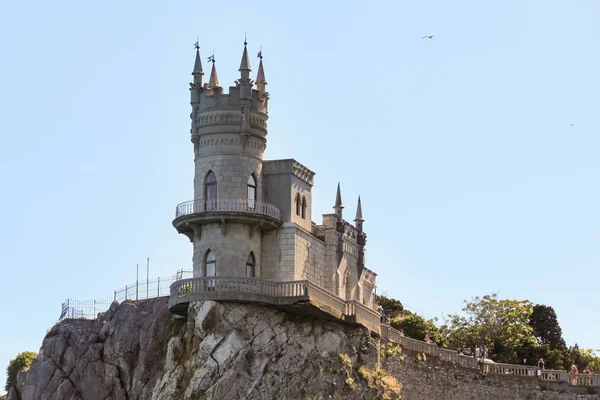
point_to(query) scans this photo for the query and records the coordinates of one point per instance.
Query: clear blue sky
(472, 177)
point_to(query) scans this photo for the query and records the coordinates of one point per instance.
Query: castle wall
(310, 259)
(278, 253)
(232, 174)
(301, 190)
(231, 249)
(287, 191)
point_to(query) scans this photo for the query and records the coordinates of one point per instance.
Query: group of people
(572, 371)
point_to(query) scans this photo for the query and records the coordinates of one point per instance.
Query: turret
(338, 207)
(245, 85)
(197, 73)
(359, 218)
(213, 82)
(261, 82)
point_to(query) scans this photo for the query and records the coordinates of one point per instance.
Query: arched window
(298, 204)
(210, 191)
(304, 207)
(210, 267)
(251, 191)
(251, 266)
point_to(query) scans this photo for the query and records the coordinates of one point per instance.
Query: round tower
(229, 133)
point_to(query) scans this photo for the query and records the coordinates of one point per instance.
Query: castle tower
(226, 218)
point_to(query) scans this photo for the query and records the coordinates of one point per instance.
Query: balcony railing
(227, 205)
(237, 289)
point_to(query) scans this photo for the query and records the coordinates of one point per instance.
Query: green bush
(20, 363)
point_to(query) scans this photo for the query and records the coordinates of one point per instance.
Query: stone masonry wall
(278, 253)
(231, 249)
(310, 259)
(232, 172)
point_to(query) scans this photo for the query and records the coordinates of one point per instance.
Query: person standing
(574, 371)
(540, 367)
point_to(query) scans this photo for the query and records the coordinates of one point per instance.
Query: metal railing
(152, 288)
(83, 309)
(227, 205)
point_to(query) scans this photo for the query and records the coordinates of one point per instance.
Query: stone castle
(250, 219)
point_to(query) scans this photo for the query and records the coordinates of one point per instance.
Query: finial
(245, 37)
(197, 44)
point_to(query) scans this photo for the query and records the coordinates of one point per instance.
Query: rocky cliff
(136, 350)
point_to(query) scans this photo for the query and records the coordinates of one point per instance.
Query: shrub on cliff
(20, 363)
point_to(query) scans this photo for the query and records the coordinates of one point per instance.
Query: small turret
(213, 82)
(359, 218)
(245, 63)
(197, 72)
(338, 207)
(261, 82)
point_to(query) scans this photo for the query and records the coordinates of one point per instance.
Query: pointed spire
(359, 216)
(338, 207)
(338, 197)
(214, 79)
(245, 64)
(197, 72)
(261, 82)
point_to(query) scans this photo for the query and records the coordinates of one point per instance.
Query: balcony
(235, 289)
(190, 214)
(303, 297)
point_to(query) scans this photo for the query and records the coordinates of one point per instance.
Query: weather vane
(197, 44)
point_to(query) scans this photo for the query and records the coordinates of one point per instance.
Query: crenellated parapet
(206, 98)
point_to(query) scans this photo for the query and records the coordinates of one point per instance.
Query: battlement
(208, 99)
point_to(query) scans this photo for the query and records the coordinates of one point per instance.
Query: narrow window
(210, 191)
(298, 204)
(251, 266)
(210, 268)
(304, 207)
(251, 191)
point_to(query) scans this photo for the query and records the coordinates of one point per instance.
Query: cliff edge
(138, 351)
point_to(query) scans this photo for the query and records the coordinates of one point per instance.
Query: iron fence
(83, 309)
(141, 290)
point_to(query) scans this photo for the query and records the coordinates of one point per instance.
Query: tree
(391, 307)
(545, 327)
(500, 326)
(20, 363)
(417, 327)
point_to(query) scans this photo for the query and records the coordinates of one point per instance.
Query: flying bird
(428, 36)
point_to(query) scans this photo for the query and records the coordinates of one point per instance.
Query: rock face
(136, 350)
(223, 351)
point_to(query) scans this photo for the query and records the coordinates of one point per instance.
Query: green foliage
(514, 331)
(501, 326)
(20, 363)
(545, 327)
(391, 307)
(417, 327)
